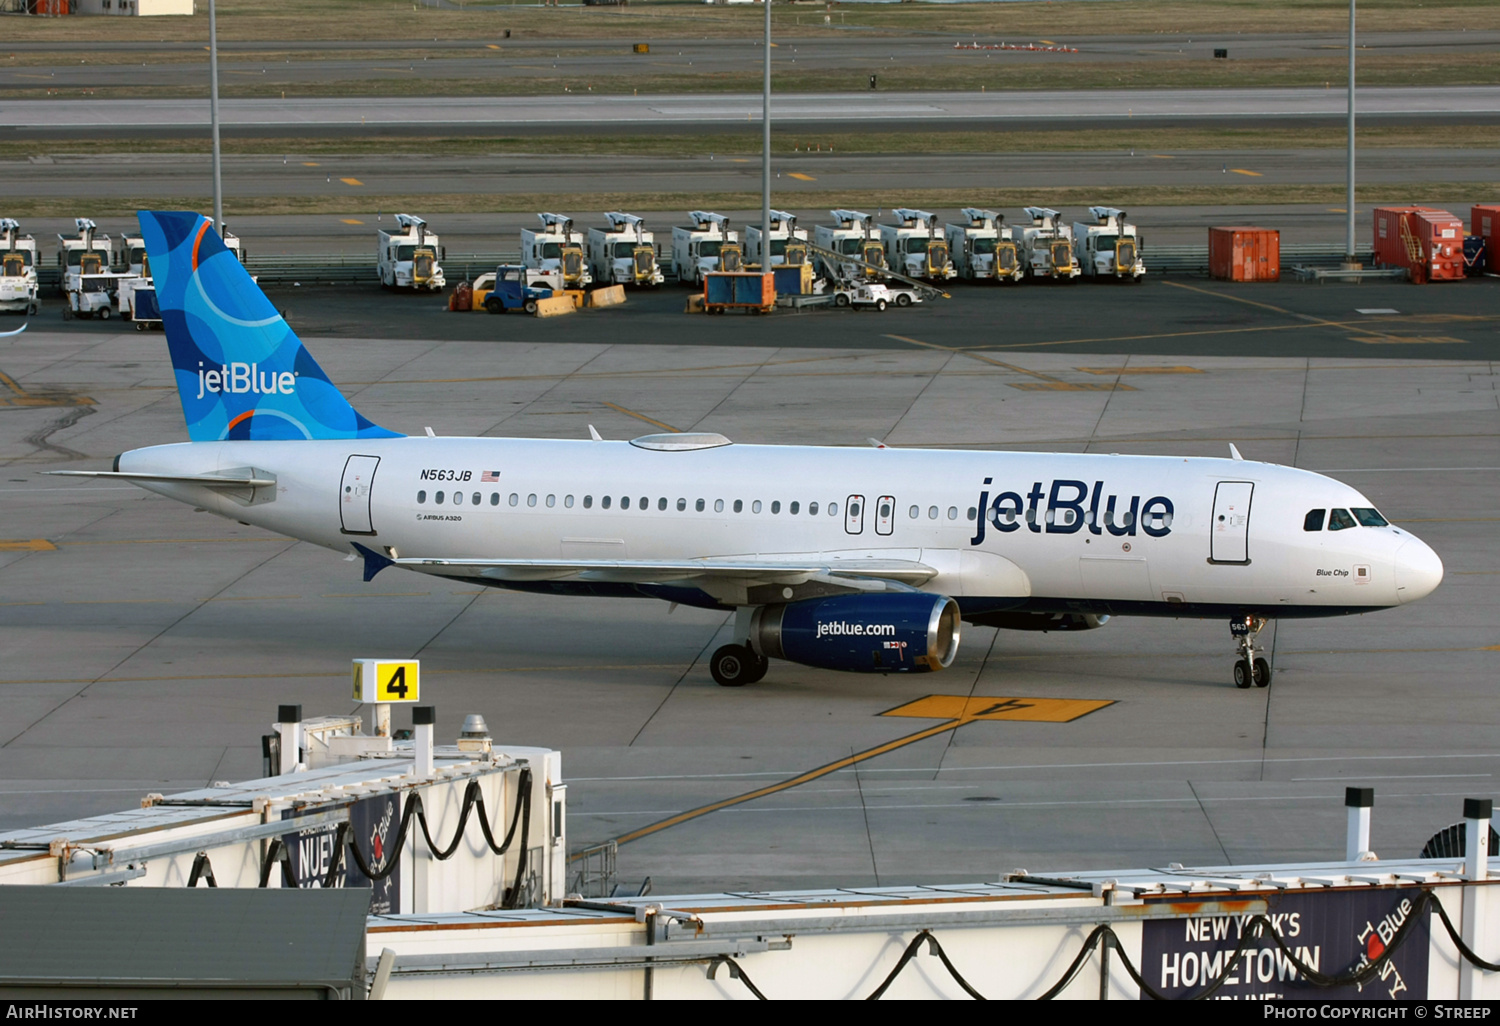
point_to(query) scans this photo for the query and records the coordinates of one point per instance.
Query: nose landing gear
(1249, 668)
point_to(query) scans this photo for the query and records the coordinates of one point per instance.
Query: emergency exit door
(1230, 531)
(354, 494)
(854, 514)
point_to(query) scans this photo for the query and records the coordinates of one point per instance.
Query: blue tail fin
(242, 373)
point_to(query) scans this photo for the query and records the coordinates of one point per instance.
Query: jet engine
(904, 632)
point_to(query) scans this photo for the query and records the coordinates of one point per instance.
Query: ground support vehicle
(915, 247)
(86, 253)
(624, 253)
(1047, 246)
(557, 247)
(739, 290)
(788, 242)
(515, 287)
(135, 299)
(1108, 247)
(863, 294)
(132, 256)
(849, 249)
(18, 285)
(984, 248)
(904, 296)
(93, 295)
(409, 258)
(704, 247)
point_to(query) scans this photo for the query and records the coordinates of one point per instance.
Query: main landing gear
(1249, 668)
(734, 666)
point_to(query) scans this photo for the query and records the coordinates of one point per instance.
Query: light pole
(213, 113)
(765, 149)
(1349, 261)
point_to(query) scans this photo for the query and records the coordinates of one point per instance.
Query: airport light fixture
(1349, 261)
(765, 159)
(213, 114)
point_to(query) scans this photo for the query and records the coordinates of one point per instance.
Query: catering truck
(409, 258)
(705, 246)
(1047, 245)
(624, 253)
(983, 247)
(853, 239)
(915, 247)
(18, 287)
(788, 242)
(1108, 247)
(557, 246)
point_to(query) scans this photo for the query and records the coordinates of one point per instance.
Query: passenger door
(1229, 532)
(354, 494)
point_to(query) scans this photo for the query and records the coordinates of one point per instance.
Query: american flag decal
(489, 476)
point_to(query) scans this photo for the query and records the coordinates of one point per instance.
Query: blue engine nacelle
(902, 632)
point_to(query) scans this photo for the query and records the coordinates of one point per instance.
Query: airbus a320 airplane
(865, 560)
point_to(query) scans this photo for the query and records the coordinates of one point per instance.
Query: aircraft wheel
(734, 666)
(903, 300)
(1262, 673)
(1244, 676)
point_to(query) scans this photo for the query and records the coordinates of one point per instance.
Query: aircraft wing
(849, 572)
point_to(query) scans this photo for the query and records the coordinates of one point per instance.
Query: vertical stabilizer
(241, 372)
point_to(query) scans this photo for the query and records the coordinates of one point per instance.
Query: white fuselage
(1051, 546)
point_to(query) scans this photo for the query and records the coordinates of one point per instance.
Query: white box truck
(850, 238)
(557, 246)
(410, 258)
(85, 253)
(788, 242)
(18, 287)
(624, 253)
(984, 247)
(1108, 247)
(1047, 245)
(706, 245)
(915, 247)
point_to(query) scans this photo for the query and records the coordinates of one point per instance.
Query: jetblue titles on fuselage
(1072, 506)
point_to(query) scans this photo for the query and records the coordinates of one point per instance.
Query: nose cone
(1418, 571)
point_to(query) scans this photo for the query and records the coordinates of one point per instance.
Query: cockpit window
(1340, 519)
(1314, 520)
(1369, 517)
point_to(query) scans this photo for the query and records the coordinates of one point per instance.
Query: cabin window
(914, 512)
(458, 498)
(812, 509)
(932, 512)
(739, 505)
(1031, 515)
(698, 505)
(1340, 519)
(568, 501)
(531, 499)
(624, 502)
(494, 498)
(476, 498)
(1314, 520)
(514, 498)
(718, 505)
(662, 503)
(973, 513)
(438, 498)
(755, 506)
(776, 506)
(421, 498)
(645, 503)
(681, 505)
(833, 509)
(551, 501)
(604, 502)
(1369, 517)
(952, 512)
(588, 502)
(792, 509)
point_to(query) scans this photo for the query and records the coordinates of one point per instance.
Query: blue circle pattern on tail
(242, 373)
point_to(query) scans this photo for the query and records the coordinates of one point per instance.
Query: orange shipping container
(1244, 254)
(1485, 222)
(1428, 242)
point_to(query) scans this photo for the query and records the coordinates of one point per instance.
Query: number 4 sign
(387, 680)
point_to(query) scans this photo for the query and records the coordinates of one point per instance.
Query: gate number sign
(387, 680)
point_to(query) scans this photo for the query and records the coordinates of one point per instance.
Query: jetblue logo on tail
(242, 373)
